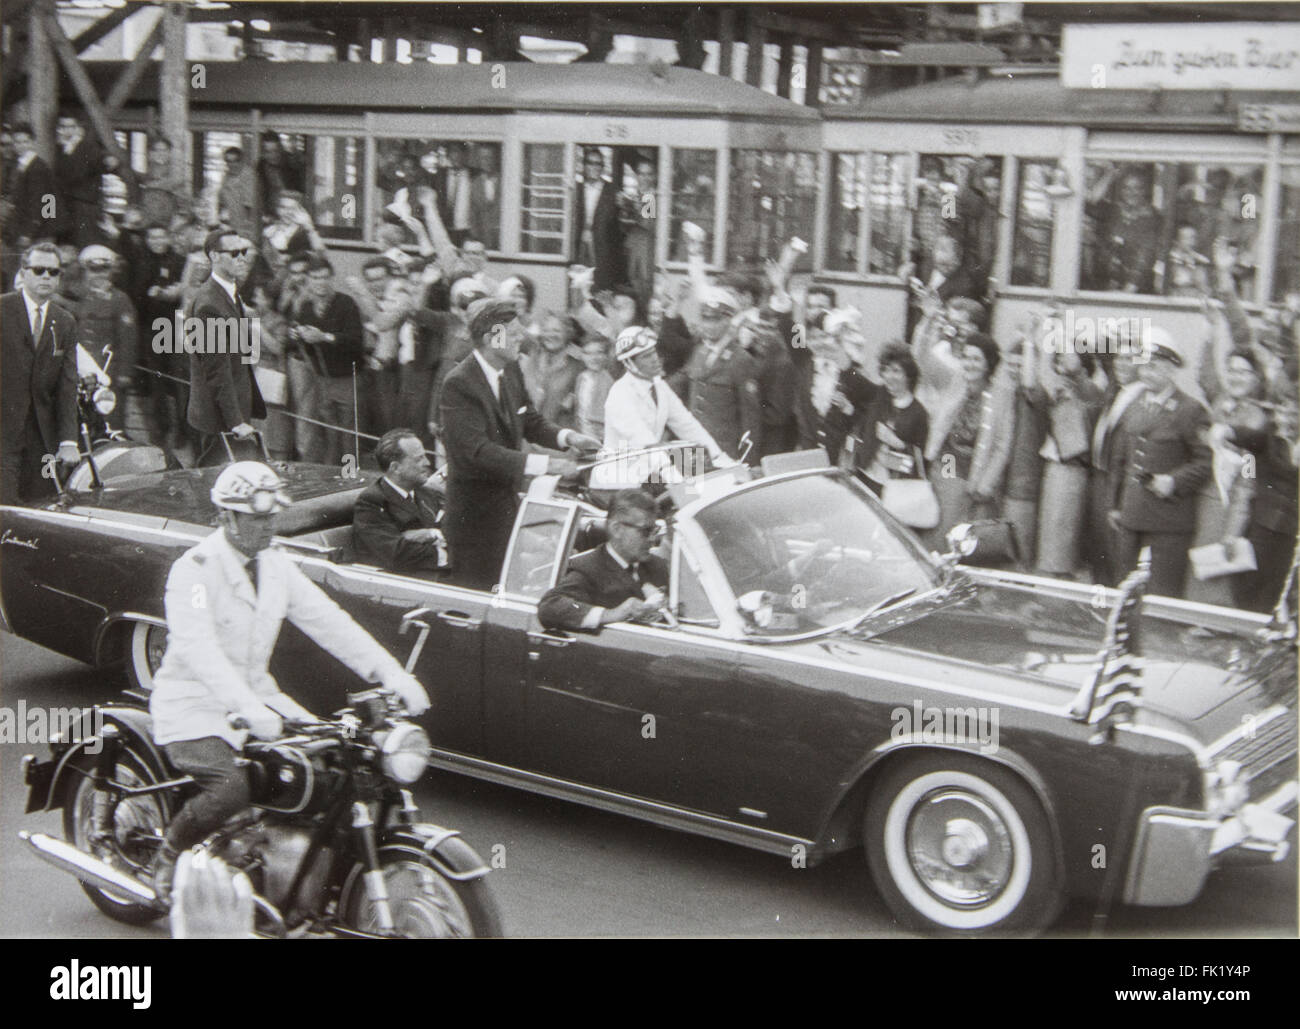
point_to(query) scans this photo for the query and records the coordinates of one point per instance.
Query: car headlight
(1226, 789)
(105, 400)
(405, 753)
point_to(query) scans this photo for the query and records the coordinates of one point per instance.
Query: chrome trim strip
(606, 800)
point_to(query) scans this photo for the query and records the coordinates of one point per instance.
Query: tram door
(615, 216)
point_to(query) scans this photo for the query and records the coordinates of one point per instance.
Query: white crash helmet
(634, 341)
(250, 487)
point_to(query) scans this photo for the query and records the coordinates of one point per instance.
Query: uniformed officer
(225, 601)
(640, 411)
(723, 377)
(106, 318)
(1160, 463)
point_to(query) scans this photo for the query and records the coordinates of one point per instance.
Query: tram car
(1106, 200)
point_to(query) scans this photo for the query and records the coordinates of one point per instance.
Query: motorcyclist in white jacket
(225, 601)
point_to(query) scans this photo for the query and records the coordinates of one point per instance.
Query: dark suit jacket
(595, 579)
(78, 177)
(606, 233)
(1167, 441)
(485, 465)
(40, 380)
(1273, 506)
(379, 519)
(223, 392)
(342, 317)
(27, 190)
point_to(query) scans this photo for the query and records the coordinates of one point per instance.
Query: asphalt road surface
(572, 871)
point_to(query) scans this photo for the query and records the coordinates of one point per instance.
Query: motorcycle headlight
(1226, 789)
(105, 400)
(405, 753)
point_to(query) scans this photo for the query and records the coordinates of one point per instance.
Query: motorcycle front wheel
(425, 903)
(135, 831)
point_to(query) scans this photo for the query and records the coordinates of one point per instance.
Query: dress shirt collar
(26, 159)
(227, 285)
(1162, 398)
(404, 494)
(33, 306)
(493, 374)
(621, 561)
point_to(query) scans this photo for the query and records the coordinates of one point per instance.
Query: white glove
(263, 723)
(409, 690)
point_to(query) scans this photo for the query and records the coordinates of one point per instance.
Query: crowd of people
(1079, 459)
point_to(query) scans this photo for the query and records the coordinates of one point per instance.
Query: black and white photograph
(650, 470)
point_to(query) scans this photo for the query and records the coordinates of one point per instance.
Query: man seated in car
(395, 522)
(620, 581)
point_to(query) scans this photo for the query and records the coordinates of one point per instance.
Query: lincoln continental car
(816, 682)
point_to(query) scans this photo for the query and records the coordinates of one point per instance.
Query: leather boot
(164, 870)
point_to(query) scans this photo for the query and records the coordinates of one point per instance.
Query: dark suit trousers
(21, 463)
(1098, 544)
(1169, 559)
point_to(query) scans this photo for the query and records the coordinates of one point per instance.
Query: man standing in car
(486, 417)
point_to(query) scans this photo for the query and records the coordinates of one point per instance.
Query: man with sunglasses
(38, 377)
(618, 582)
(224, 397)
(225, 601)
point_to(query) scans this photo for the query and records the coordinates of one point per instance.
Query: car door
(634, 709)
(450, 662)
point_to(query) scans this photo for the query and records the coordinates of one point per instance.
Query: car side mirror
(756, 608)
(962, 542)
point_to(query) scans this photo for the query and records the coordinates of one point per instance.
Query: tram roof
(1029, 98)
(623, 89)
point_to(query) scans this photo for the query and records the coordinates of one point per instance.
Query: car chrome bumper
(1177, 847)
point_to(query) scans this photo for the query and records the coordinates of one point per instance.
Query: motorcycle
(333, 845)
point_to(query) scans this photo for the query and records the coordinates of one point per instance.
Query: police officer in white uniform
(225, 601)
(639, 411)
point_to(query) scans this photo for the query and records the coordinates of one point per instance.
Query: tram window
(958, 195)
(889, 210)
(848, 197)
(209, 164)
(542, 202)
(1035, 225)
(1150, 227)
(333, 172)
(694, 199)
(465, 176)
(773, 196)
(1286, 267)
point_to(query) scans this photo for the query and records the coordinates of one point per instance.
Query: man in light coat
(225, 601)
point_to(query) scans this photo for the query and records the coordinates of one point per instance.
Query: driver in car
(225, 601)
(618, 582)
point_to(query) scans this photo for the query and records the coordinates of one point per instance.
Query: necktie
(239, 305)
(250, 569)
(654, 396)
(39, 326)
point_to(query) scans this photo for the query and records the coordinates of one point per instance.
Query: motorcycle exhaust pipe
(86, 868)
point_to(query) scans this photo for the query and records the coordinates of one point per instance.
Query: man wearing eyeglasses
(224, 397)
(619, 582)
(38, 379)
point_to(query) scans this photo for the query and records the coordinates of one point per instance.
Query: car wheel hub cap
(960, 848)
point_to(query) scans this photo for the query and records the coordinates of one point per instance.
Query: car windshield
(813, 552)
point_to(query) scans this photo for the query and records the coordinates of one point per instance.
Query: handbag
(912, 501)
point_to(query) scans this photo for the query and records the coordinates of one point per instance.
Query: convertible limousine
(817, 682)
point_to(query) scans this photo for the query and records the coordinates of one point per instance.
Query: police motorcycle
(334, 844)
